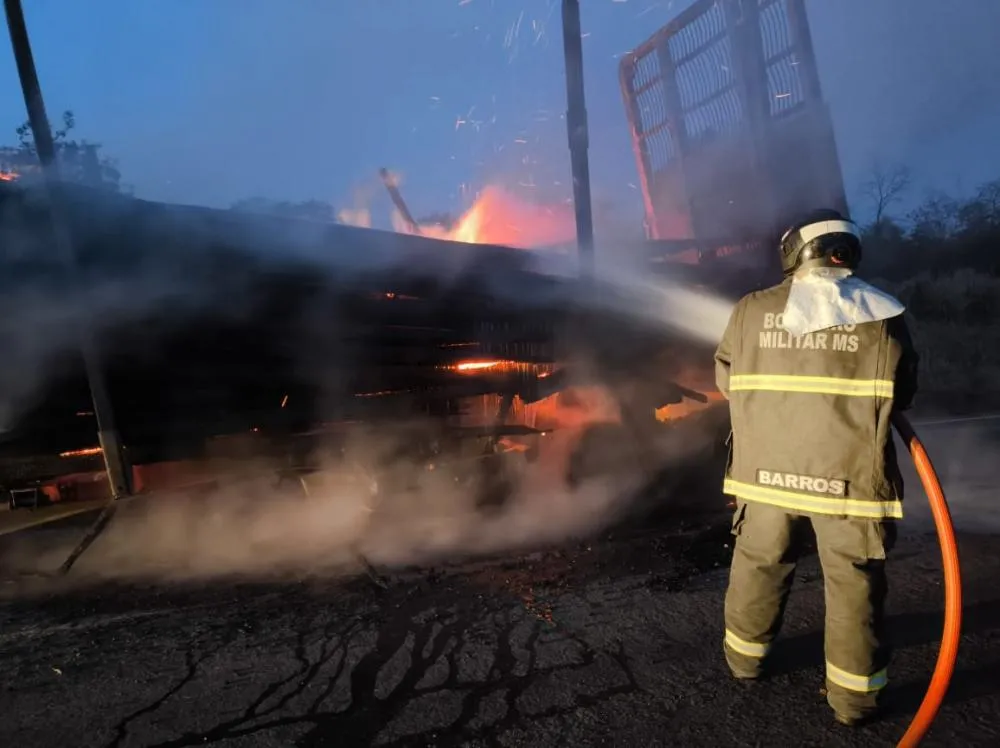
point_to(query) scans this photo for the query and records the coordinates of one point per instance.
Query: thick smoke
(48, 307)
(326, 523)
(251, 525)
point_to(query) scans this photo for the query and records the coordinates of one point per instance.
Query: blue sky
(211, 101)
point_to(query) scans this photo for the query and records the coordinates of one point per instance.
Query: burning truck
(295, 336)
(291, 338)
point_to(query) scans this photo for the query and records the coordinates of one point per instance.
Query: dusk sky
(212, 101)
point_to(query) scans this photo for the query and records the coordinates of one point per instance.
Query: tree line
(944, 233)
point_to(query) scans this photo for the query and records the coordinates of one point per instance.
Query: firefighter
(813, 368)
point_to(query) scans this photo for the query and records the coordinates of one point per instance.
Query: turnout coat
(811, 428)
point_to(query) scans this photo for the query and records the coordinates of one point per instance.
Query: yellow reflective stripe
(803, 502)
(817, 385)
(743, 647)
(852, 682)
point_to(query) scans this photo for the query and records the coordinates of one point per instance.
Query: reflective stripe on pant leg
(759, 583)
(852, 554)
(745, 648)
(854, 682)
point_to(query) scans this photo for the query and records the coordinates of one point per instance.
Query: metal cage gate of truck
(730, 133)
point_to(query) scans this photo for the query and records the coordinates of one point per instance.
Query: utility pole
(107, 432)
(576, 128)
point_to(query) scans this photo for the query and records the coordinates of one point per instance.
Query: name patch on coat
(808, 483)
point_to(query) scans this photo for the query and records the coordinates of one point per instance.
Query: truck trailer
(216, 325)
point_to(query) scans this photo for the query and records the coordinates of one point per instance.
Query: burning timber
(215, 324)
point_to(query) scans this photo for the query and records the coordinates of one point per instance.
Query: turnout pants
(852, 553)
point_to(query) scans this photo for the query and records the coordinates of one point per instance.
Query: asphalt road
(615, 642)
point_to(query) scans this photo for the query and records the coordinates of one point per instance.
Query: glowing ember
(476, 365)
(87, 452)
(497, 217)
(522, 367)
(9, 176)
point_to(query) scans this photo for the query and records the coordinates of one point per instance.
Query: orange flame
(676, 411)
(9, 176)
(498, 217)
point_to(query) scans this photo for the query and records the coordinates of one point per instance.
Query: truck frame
(730, 132)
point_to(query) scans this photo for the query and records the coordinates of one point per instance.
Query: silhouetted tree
(937, 220)
(982, 215)
(885, 186)
(80, 161)
(944, 234)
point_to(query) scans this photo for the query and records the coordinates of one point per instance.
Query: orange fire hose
(948, 652)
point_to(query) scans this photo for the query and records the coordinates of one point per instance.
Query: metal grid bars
(785, 88)
(701, 56)
(704, 98)
(650, 109)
